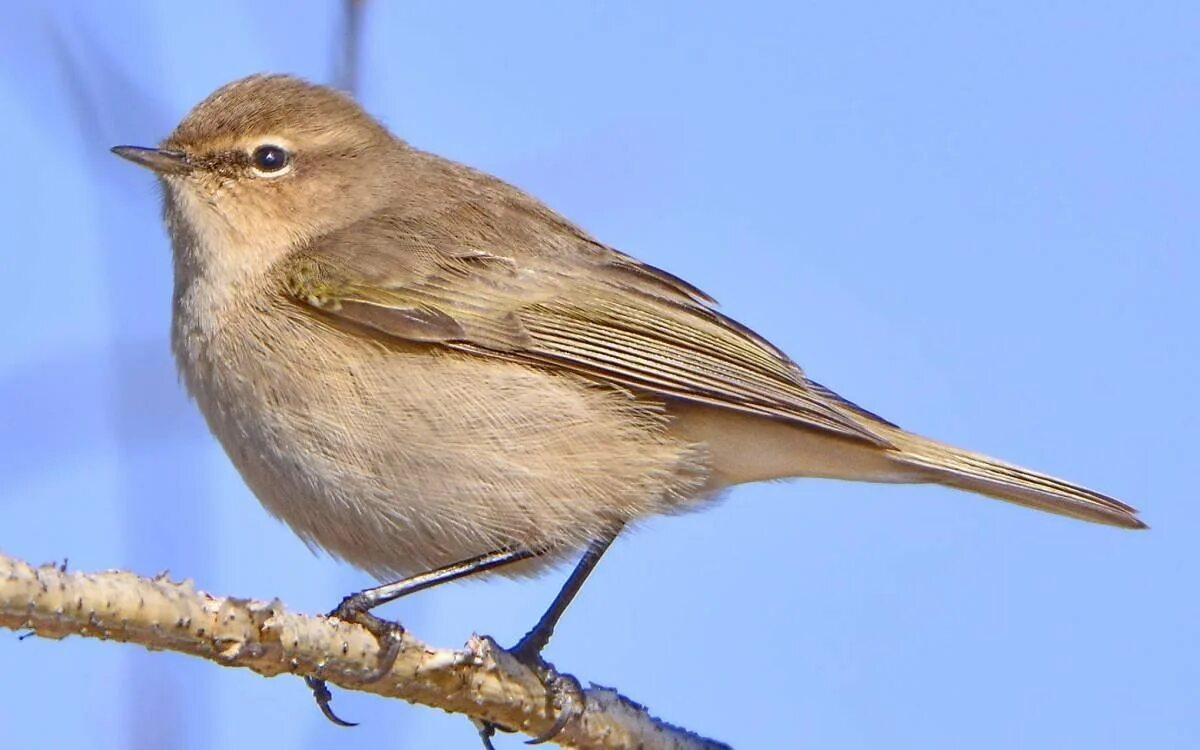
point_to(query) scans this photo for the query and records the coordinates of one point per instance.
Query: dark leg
(529, 649)
(365, 601)
(357, 608)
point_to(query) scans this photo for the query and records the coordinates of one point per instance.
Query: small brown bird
(419, 367)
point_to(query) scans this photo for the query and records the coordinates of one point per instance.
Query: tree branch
(482, 681)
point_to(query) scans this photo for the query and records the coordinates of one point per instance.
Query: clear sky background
(978, 219)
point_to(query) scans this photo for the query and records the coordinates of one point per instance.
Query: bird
(428, 373)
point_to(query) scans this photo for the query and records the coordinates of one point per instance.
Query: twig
(346, 66)
(482, 681)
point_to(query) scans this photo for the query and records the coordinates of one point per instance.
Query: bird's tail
(974, 472)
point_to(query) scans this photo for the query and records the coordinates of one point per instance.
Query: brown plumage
(412, 362)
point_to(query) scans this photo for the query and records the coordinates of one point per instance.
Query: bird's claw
(487, 730)
(322, 696)
(564, 691)
(566, 696)
(388, 634)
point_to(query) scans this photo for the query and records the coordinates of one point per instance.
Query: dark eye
(270, 158)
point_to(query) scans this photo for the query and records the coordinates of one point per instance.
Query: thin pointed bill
(157, 160)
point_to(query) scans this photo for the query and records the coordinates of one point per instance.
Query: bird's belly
(401, 459)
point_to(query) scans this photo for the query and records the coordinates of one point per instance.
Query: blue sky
(976, 219)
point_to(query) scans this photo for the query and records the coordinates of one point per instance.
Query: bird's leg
(565, 693)
(357, 608)
(530, 647)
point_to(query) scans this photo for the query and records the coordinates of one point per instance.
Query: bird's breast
(400, 457)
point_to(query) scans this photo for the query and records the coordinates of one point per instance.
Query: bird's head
(267, 163)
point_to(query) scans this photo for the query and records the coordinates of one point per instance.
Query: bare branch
(482, 681)
(346, 67)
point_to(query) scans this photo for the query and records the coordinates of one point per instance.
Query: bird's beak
(157, 160)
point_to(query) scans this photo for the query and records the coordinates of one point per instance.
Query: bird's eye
(270, 158)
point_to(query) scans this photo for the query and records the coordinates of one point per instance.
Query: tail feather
(975, 472)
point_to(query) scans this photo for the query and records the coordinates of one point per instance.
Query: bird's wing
(587, 309)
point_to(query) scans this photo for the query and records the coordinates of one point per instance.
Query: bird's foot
(564, 693)
(389, 636)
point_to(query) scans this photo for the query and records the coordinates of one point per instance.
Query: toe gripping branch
(564, 693)
(388, 634)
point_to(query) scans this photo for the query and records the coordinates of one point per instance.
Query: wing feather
(583, 307)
